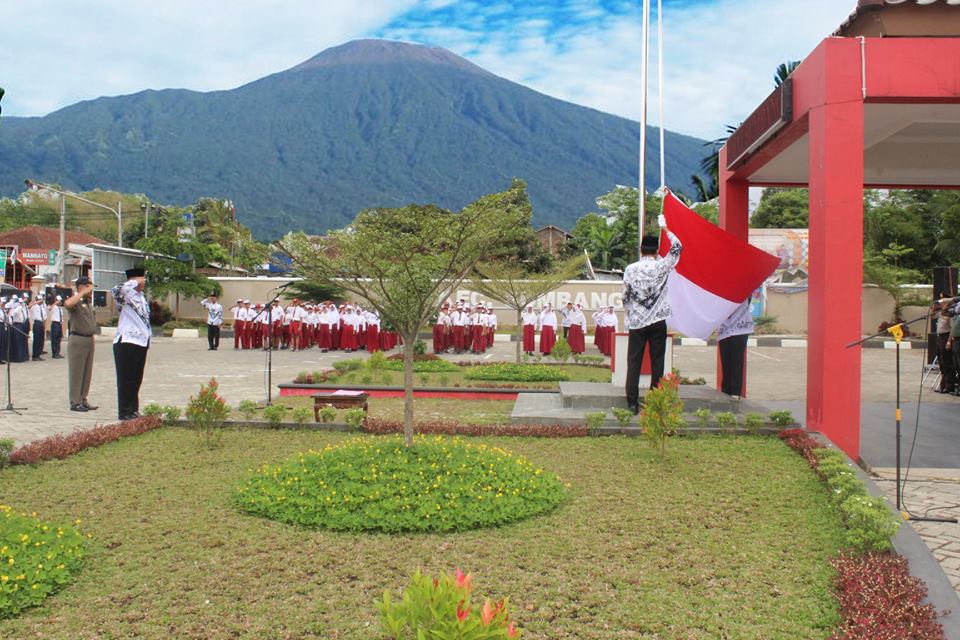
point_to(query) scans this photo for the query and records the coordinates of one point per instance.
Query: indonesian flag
(717, 271)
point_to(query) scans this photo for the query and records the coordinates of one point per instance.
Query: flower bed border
(908, 544)
(292, 389)
(60, 446)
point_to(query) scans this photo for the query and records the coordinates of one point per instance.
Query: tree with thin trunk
(403, 262)
(513, 285)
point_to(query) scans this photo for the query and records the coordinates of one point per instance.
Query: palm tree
(604, 245)
(784, 70)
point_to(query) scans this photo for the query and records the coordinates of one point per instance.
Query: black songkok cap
(136, 272)
(650, 244)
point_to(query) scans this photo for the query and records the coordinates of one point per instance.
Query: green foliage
(444, 608)
(662, 413)
(443, 380)
(36, 559)
(419, 347)
(350, 377)
(423, 366)
(765, 324)
(366, 378)
(274, 414)
(870, 524)
(350, 364)
(171, 413)
(301, 415)
(782, 209)
(355, 417)
(377, 360)
(206, 413)
(623, 416)
(378, 484)
(753, 421)
(595, 421)
(248, 408)
(153, 409)
(884, 270)
(328, 413)
(561, 351)
(703, 416)
(781, 418)
(424, 380)
(726, 419)
(516, 372)
(7, 445)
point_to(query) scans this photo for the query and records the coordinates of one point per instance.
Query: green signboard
(52, 257)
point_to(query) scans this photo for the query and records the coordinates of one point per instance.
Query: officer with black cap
(82, 325)
(131, 342)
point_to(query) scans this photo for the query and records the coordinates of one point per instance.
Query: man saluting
(646, 310)
(131, 342)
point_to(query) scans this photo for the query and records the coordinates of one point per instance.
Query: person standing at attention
(82, 325)
(214, 321)
(38, 319)
(55, 313)
(131, 342)
(646, 310)
(732, 343)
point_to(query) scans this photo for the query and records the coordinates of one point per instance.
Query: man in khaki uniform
(83, 326)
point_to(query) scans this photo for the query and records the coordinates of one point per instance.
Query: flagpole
(644, 81)
(663, 151)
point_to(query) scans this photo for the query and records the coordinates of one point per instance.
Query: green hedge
(516, 373)
(422, 366)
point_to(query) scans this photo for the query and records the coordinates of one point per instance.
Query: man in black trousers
(646, 310)
(131, 342)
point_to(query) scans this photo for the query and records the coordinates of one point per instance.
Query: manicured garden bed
(717, 537)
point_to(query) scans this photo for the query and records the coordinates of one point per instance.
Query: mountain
(368, 123)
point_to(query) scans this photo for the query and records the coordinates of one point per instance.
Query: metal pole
(146, 223)
(663, 152)
(642, 192)
(63, 239)
(120, 224)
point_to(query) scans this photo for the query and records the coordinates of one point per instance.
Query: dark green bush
(516, 373)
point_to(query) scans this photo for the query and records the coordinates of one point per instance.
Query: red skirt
(324, 336)
(438, 342)
(373, 338)
(459, 338)
(479, 341)
(548, 338)
(529, 338)
(348, 337)
(575, 339)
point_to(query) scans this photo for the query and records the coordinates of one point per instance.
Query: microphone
(949, 301)
(283, 287)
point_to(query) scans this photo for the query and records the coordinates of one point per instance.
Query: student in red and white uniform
(478, 322)
(350, 321)
(254, 334)
(491, 327)
(548, 329)
(458, 320)
(324, 334)
(439, 329)
(239, 325)
(372, 321)
(277, 315)
(578, 328)
(529, 321)
(610, 325)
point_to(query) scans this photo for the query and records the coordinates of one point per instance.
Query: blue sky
(720, 54)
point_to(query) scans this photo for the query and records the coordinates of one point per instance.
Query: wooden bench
(340, 400)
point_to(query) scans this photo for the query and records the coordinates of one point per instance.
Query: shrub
(623, 417)
(454, 428)
(727, 420)
(6, 448)
(801, 442)
(171, 413)
(386, 379)
(417, 357)
(375, 361)
(60, 446)
(378, 484)
(423, 366)
(206, 412)
(355, 417)
(781, 418)
(424, 380)
(366, 378)
(328, 413)
(765, 325)
(590, 360)
(419, 347)
(36, 559)
(753, 421)
(561, 351)
(703, 416)
(153, 409)
(870, 524)
(160, 314)
(350, 364)
(662, 412)
(274, 414)
(248, 408)
(350, 377)
(595, 421)
(301, 415)
(516, 373)
(443, 608)
(879, 599)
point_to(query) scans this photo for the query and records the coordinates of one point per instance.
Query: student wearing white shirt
(459, 321)
(529, 321)
(478, 320)
(37, 311)
(548, 329)
(439, 329)
(372, 321)
(214, 321)
(577, 330)
(55, 313)
(131, 342)
(17, 324)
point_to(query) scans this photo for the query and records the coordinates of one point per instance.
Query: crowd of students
(25, 322)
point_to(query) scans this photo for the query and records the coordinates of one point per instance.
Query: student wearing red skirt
(548, 330)
(578, 328)
(529, 321)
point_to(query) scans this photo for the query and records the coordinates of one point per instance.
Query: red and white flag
(717, 271)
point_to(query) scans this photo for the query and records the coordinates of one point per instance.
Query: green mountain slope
(368, 123)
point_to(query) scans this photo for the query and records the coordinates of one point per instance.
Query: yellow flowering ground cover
(36, 559)
(719, 537)
(379, 484)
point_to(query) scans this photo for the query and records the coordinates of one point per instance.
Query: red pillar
(734, 218)
(836, 260)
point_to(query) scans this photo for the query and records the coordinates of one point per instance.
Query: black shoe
(57, 357)
(38, 359)
(635, 408)
(78, 407)
(132, 416)
(90, 407)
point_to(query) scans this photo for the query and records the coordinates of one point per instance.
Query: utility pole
(120, 224)
(63, 238)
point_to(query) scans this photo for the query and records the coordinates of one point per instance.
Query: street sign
(3, 265)
(51, 257)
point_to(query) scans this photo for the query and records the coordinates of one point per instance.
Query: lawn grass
(424, 409)
(383, 377)
(723, 537)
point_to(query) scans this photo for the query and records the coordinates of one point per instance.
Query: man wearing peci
(131, 342)
(82, 325)
(214, 321)
(646, 309)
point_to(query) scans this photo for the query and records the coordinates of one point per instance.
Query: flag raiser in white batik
(645, 287)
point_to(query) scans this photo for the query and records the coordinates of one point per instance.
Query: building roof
(925, 18)
(35, 237)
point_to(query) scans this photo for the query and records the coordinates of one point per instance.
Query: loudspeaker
(100, 298)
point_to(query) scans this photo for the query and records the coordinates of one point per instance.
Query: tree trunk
(408, 341)
(520, 335)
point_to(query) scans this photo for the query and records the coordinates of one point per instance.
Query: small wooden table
(340, 399)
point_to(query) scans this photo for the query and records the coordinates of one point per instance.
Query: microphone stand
(11, 327)
(269, 311)
(897, 332)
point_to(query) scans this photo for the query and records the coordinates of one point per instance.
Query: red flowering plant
(60, 446)
(206, 413)
(443, 608)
